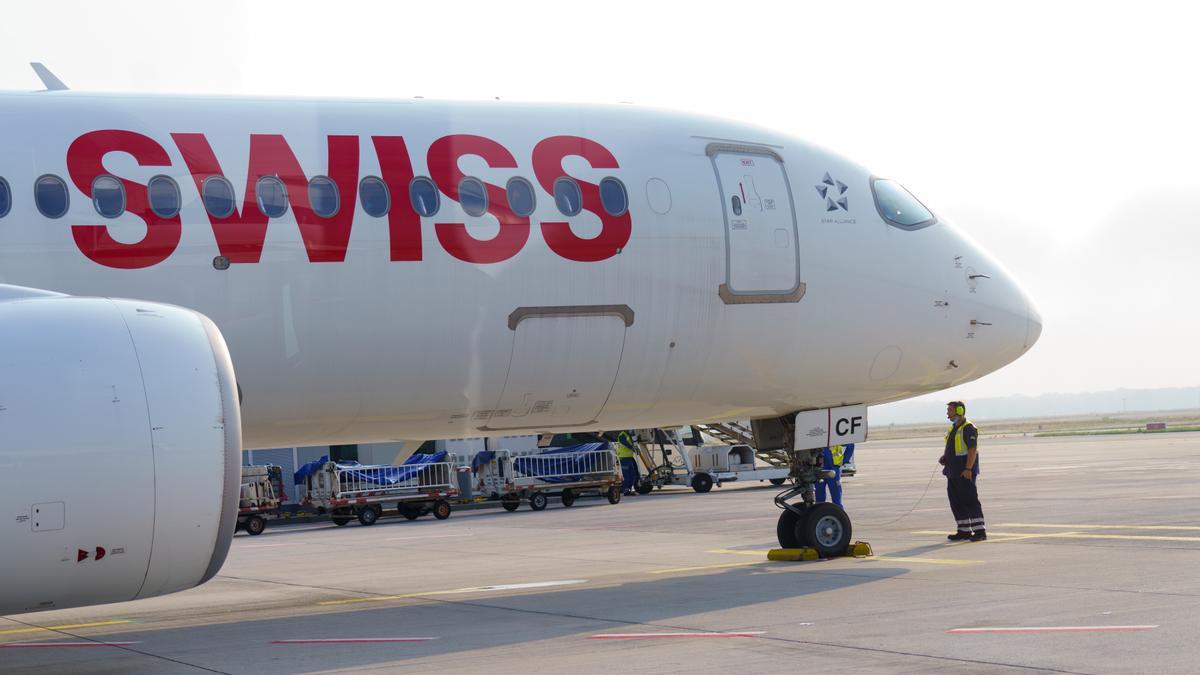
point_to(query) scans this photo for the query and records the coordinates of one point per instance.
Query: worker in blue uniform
(626, 453)
(961, 468)
(834, 456)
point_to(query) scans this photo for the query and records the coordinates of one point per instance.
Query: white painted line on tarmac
(644, 636)
(1193, 528)
(1055, 468)
(1049, 629)
(44, 645)
(429, 536)
(514, 587)
(356, 641)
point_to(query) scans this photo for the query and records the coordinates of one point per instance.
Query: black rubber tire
(614, 494)
(789, 528)
(511, 504)
(255, 525)
(568, 497)
(778, 481)
(441, 509)
(643, 487)
(411, 511)
(702, 482)
(538, 501)
(827, 529)
(341, 520)
(368, 516)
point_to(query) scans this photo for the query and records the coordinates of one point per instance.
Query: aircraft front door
(762, 260)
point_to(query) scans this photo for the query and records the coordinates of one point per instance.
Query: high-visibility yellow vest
(837, 452)
(960, 446)
(624, 446)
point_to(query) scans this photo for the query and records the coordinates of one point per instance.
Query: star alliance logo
(834, 193)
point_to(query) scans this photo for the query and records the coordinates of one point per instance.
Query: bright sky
(1062, 136)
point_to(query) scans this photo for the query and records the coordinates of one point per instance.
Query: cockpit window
(898, 206)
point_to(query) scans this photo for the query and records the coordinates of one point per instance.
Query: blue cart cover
(309, 469)
(391, 475)
(481, 459)
(567, 468)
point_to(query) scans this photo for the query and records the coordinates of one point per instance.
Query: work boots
(959, 536)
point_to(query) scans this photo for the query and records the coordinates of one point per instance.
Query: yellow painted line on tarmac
(65, 626)
(1013, 536)
(992, 536)
(377, 598)
(706, 567)
(1190, 528)
(762, 553)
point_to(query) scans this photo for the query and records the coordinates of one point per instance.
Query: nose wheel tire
(790, 528)
(827, 528)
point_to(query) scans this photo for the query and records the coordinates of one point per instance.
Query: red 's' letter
(240, 235)
(547, 166)
(443, 168)
(85, 161)
(404, 224)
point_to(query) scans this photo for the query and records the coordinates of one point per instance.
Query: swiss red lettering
(85, 161)
(240, 236)
(404, 224)
(443, 168)
(614, 234)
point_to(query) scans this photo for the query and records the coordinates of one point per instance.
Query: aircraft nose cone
(1034, 327)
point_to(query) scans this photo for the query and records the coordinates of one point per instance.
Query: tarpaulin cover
(309, 469)
(391, 475)
(481, 458)
(562, 465)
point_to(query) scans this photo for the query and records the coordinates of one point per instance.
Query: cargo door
(761, 251)
(563, 366)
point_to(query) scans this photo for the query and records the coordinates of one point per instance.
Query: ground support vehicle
(534, 476)
(261, 496)
(345, 490)
(672, 462)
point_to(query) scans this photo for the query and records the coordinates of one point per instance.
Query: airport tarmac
(1091, 566)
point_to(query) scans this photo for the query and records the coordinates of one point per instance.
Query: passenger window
(323, 195)
(374, 196)
(424, 196)
(108, 196)
(50, 195)
(613, 196)
(567, 197)
(520, 197)
(737, 205)
(218, 196)
(473, 196)
(164, 197)
(271, 195)
(5, 198)
(898, 206)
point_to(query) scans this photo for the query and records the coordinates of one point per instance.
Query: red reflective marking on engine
(81, 556)
(85, 161)
(240, 236)
(548, 156)
(443, 158)
(100, 553)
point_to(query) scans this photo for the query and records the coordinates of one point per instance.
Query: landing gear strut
(804, 522)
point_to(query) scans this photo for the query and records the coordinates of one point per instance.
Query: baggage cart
(261, 496)
(533, 476)
(346, 490)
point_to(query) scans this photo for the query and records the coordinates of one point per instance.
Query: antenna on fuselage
(52, 83)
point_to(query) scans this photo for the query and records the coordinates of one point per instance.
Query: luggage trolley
(261, 495)
(421, 485)
(536, 475)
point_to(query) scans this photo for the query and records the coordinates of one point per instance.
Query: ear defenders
(959, 410)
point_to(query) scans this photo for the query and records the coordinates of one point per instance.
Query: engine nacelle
(120, 446)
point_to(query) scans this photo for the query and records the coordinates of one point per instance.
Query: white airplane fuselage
(402, 326)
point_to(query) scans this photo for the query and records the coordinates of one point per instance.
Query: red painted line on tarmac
(643, 636)
(1050, 629)
(349, 640)
(43, 645)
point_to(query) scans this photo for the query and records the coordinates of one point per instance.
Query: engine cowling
(120, 447)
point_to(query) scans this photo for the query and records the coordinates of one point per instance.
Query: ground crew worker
(834, 455)
(961, 462)
(626, 450)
